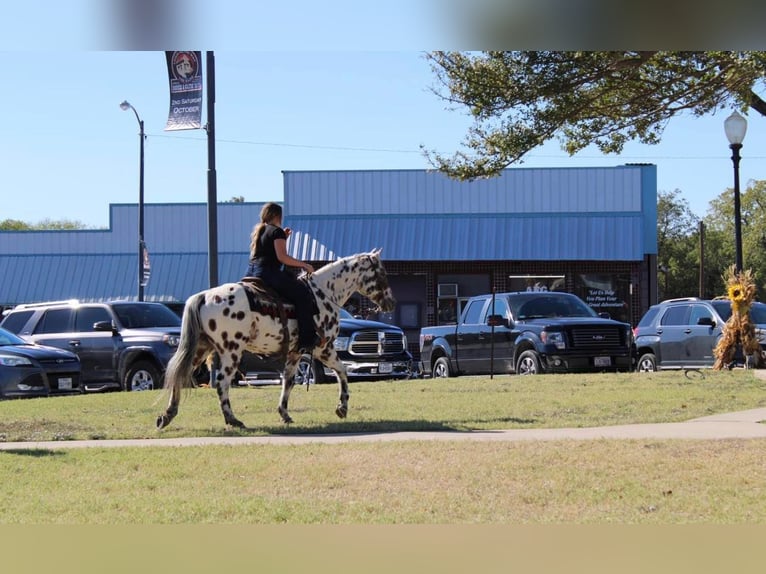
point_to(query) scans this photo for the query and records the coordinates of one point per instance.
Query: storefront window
(605, 293)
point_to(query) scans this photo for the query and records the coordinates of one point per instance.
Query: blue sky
(359, 99)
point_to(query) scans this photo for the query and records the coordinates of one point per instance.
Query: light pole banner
(185, 77)
(146, 266)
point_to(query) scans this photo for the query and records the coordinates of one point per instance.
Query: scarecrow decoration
(738, 330)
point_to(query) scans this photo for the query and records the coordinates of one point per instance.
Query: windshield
(537, 306)
(8, 338)
(143, 315)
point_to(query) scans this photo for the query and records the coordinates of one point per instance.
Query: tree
(720, 221)
(45, 224)
(519, 100)
(677, 246)
(236, 199)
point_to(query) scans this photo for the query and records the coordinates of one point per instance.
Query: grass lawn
(416, 482)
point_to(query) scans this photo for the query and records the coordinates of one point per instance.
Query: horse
(237, 317)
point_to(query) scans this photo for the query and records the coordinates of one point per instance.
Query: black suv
(122, 345)
(682, 333)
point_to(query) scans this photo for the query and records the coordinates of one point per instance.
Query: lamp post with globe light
(735, 127)
(125, 105)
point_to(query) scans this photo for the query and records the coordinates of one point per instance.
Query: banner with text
(185, 77)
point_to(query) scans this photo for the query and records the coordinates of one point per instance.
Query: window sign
(605, 294)
(536, 283)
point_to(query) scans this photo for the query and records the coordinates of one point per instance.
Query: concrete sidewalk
(744, 424)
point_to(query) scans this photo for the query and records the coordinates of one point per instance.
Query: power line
(530, 155)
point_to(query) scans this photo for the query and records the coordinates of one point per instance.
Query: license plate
(385, 368)
(602, 361)
(65, 383)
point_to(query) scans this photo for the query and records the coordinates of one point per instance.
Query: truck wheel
(441, 368)
(647, 363)
(309, 371)
(528, 364)
(142, 376)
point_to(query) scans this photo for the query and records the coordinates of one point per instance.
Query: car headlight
(553, 338)
(340, 343)
(171, 340)
(14, 361)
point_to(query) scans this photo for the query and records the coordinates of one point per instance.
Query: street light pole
(141, 248)
(736, 128)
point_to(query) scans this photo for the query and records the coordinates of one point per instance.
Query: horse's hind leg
(171, 411)
(224, 377)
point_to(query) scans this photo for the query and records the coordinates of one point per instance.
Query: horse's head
(373, 281)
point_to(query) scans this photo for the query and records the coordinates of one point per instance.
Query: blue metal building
(591, 231)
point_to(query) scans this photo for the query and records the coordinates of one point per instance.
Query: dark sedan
(29, 370)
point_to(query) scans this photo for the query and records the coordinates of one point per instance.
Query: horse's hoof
(162, 421)
(341, 411)
(236, 423)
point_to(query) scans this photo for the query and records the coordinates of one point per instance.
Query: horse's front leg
(226, 372)
(288, 382)
(330, 358)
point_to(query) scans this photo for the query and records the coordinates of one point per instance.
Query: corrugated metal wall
(516, 191)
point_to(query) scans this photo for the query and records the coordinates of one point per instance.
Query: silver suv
(122, 345)
(682, 333)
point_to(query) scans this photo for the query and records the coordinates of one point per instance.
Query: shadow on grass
(383, 426)
(33, 452)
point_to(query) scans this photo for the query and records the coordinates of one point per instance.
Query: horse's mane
(343, 260)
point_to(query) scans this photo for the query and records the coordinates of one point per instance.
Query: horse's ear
(377, 250)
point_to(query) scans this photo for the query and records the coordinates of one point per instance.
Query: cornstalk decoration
(740, 288)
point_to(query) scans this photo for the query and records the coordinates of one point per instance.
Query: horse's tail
(181, 366)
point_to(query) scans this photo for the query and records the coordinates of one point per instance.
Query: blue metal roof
(174, 276)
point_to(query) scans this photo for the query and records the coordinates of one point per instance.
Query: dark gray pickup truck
(527, 332)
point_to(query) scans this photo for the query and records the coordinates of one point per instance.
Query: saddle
(258, 291)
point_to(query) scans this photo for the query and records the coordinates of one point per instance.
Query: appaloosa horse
(238, 317)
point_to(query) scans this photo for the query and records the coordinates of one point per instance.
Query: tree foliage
(677, 246)
(519, 100)
(45, 224)
(720, 224)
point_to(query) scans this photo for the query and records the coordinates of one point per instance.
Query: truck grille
(376, 343)
(596, 337)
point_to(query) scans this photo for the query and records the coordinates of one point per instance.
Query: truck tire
(528, 364)
(142, 376)
(647, 363)
(309, 371)
(441, 369)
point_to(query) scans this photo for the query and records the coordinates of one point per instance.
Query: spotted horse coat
(236, 317)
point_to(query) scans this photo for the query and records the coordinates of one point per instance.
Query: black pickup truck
(527, 332)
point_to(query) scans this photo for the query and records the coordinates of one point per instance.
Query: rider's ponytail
(269, 212)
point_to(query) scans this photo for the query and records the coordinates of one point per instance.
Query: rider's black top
(266, 253)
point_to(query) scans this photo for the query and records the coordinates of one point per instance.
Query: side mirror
(706, 321)
(103, 326)
(497, 321)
